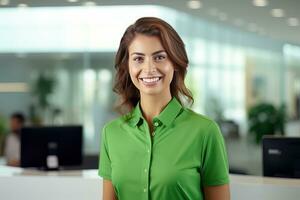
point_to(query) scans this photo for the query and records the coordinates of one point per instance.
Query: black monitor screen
(51, 147)
(281, 157)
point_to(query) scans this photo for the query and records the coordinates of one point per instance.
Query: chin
(153, 91)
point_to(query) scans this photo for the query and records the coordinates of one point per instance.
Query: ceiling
(241, 14)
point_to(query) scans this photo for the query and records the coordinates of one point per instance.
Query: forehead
(145, 44)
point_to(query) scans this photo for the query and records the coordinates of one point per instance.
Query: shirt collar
(170, 112)
(166, 117)
(136, 115)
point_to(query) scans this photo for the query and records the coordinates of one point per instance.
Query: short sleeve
(12, 148)
(104, 161)
(215, 170)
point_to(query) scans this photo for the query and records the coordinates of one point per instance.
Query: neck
(153, 105)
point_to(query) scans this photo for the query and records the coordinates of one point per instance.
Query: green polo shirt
(185, 153)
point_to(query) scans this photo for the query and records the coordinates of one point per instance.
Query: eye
(138, 59)
(159, 57)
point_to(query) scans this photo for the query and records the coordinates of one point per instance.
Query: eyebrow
(154, 53)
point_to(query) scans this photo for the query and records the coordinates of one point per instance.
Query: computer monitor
(281, 157)
(51, 147)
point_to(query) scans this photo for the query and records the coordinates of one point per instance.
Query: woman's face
(150, 69)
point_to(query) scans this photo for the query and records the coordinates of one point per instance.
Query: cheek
(133, 75)
(170, 78)
(169, 72)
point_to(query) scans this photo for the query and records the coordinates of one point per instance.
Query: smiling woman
(150, 69)
(159, 149)
(165, 47)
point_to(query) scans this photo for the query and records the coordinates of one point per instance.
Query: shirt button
(145, 170)
(145, 190)
(156, 123)
(148, 150)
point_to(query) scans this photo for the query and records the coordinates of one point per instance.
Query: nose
(149, 66)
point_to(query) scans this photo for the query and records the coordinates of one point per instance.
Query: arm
(108, 190)
(13, 163)
(215, 173)
(217, 192)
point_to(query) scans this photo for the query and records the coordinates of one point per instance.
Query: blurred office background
(57, 65)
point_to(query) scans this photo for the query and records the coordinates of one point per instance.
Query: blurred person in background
(12, 143)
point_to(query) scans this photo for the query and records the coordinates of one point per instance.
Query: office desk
(17, 184)
(262, 188)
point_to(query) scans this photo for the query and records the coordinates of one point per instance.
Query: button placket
(155, 124)
(146, 168)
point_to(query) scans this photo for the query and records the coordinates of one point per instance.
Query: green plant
(2, 133)
(42, 88)
(265, 119)
(2, 125)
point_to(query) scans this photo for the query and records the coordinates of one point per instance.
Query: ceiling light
(293, 21)
(277, 12)
(22, 5)
(89, 3)
(72, 1)
(260, 3)
(4, 2)
(194, 4)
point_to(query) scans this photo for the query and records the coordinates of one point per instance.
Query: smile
(150, 79)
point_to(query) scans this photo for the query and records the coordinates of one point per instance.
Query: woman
(160, 150)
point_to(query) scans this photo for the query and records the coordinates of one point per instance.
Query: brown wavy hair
(175, 50)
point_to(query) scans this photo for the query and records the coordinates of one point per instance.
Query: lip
(149, 77)
(150, 83)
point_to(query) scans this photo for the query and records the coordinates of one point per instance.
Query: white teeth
(150, 80)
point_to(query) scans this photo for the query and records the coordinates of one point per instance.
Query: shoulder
(114, 130)
(201, 124)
